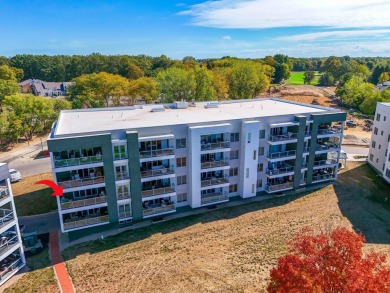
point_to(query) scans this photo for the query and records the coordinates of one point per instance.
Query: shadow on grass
(166, 227)
(364, 198)
(35, 202)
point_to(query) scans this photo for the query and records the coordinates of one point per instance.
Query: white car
(15, 176)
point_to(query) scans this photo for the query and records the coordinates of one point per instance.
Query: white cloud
(258, 14)
(335, 34)
(227, 38)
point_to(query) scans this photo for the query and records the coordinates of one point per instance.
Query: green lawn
(296, 78)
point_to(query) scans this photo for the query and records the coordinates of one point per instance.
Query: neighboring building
(379, 156)
(123, 164)
(11, 247)
(383, 86)
(44, 88)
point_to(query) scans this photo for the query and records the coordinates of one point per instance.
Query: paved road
(41, 223)
(358, 150)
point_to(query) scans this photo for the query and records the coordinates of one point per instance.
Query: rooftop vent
(181, 105)
(211, 105)
(157, 110)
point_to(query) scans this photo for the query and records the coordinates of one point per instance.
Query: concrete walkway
(63, 278)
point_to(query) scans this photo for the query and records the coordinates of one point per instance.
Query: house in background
(44, 88)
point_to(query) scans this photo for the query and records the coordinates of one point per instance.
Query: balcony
(85, 222)
(124, 196)
(59, 163)
(8, 242)
(6, 216)
(324, 162)
(125, 214)
(9, 266)
(156, 153)
(329, 131)
(323, 177)
(214, 181)
(158, 210)
(4, 194)
(158, 172)
(283, 137)
(279, 155)
(213, 198)
(280, 170)
(327, 146)
(82, 181)
(214, 164)
(157, 191)
(121, 176)
(306, 150)
(279, 187)
(72, 204)
(214, 146)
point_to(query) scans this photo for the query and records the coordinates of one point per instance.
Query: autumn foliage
(330, 261)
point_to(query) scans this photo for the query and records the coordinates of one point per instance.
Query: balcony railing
(323, 177)
(216, 145)
(281, 154)
(85, 222)
(83, 202)
(280, 171)
(158, 172)
(329, 146)
(126, 214)
(214, 164)
(306, 150)
(216, 181)
(77, 161)
(324, 162)
(82, 182)
(328, 131)
(159, 210)
(279, 186)
(9, 269)
(287, 136)
(157, 191)
(120, 156)
(5, 217)
(8, 243)
(4, 193)
(304, 165)
(124, 196)
(121, 176)
(156, 153)
(215, 197)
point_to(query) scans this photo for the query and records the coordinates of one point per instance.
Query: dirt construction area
(230, 249)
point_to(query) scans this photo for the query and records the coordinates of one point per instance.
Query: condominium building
(124, 164)
(11, 248)
(379, 157)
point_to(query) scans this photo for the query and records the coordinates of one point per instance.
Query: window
(376, 130)
(234, 155)
(234, 137)
(249, 137)
(120, 152)
(233, 172)
(386, 153)
(259, 183)
(379, 147)
(182, 197)
(124, 210)
(384, 118)
(383, 166)
(388, 173)
(122, 191)
(388, 138)
(377, 159)
(232, 188)
(254, 155)
(378, 117)
(261, 151)
(260, 167)
(253, 188)
(181, 162)
(181, 143)
(181, 180)
(373, 144)
(262, 134)
(121, 172)
(382, 132)
(247, 173)
(372, 157)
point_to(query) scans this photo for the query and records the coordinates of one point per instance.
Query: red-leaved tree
(330, 261)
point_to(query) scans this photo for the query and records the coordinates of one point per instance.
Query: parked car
(351, 123)
(15, 175)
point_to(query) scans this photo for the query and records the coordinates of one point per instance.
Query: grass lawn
(229, 249)
(32, 199)
(296, 78)
(40, 278)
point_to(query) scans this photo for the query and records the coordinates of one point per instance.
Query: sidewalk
(63, 278)
(20, 151)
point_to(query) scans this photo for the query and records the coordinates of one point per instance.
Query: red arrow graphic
(57, 190)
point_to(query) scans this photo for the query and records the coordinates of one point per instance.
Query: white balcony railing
(8, 243)
(82, 182)
(323, 177)
(125, 214)
(121, 176)
(157, 191)
(85, 222)
(5, 217)
(216, 145)
(159, 210)
(216, 181)
(124, 196)
(278, 171)
(327, 146)
(4, 193)
(328, 131)
(82, 202)
(325, 162)
(287, 136)
(277, 187)
(281, 154)
(214, 164)
(156, 153)
(9, 269)
(212, 198)
(158, 172)
(77, 161)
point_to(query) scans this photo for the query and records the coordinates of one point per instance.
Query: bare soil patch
(231, 249)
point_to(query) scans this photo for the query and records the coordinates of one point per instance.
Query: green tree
(308, 77)
(176, 84)
(383, 77)
(221, 82)
(8, 82)
(144, 87)
(282, 72)
(326, 79)
(204, 90)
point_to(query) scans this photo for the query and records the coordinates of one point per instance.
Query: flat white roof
(73, 122)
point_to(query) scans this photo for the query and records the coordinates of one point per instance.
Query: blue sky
(202, 29)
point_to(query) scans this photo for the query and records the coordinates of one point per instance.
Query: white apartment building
(119, 165)
(11, 248)
(379, 157)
